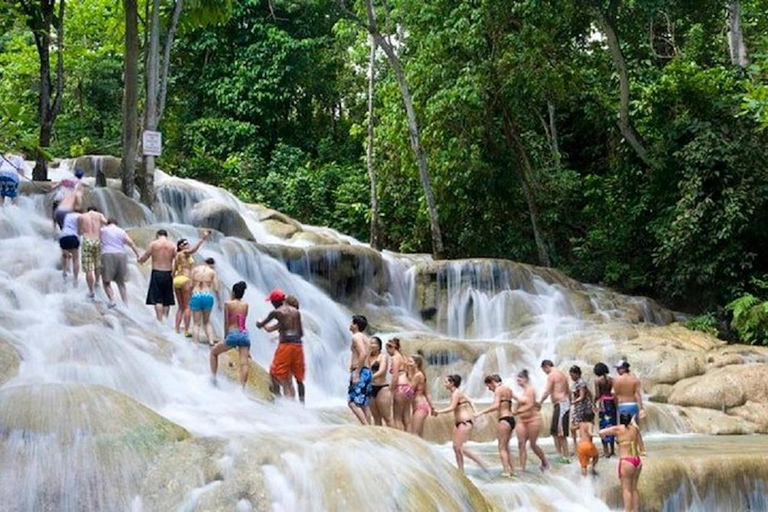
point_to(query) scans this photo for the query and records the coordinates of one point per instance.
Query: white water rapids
(65, 341)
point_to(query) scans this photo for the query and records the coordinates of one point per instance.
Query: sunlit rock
(259, 380)
(99, 166)
(213, 214)
(723, 388)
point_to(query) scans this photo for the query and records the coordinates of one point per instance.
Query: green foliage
(750, 319)
(706, 323)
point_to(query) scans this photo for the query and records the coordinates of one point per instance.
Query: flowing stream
(66, 445)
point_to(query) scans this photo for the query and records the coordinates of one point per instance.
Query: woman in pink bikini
(463, 411)
(402, 392)
(235, 313)
(422, 401)
(628, 435)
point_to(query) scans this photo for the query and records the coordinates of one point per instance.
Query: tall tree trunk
(130, 96)
(375, 224)
(150, 112)
(525, 175)
(413, 129)
(171, 34)
(554, 141)
(625, 125)
(738, 49)
(40, 21)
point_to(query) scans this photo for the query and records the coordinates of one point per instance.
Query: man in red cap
(288, 362)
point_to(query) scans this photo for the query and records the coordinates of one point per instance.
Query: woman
(381, 396)
(182, 283)
(402, 392)
(630, 465)
(235, 313)
(69, 242)
(422, 401)
(463, 411)
(502, 402)
(528, 422)
(581, 401)
(606, 406)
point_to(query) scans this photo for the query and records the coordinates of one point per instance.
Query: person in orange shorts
(586, 448)
(288, 362)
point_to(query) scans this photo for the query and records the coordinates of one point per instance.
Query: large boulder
(213, 214)
(259, 380)
(113, 203)
(723, 388)
(99, 166)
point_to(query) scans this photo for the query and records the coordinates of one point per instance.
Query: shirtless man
(288, 362)
(160, 293)
(89, 225)
(205, 285)
(628, 396)
(360, 376)
(62, 189)
(70, 202)
(557, 388)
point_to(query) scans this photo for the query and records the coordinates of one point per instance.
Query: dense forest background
(622, 141)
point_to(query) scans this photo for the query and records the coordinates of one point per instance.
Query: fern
(706, 323)
(750, 319)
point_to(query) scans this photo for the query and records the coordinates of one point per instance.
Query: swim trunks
(237, 339)
(587, 452)
(288, 362)
(91, 255)
(69, 242)
(160, 288)
(9, 187)
(201, 301)
(559, 425)
(630, 408)
(359, 392)
(114, 267)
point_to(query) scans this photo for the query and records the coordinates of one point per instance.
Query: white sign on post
(152, 143)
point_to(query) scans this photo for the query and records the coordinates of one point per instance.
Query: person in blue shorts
(360, 376)
(235, 313)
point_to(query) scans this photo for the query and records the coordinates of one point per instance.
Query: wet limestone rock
(213, 214)
(9, 361)
(279, 229)
(99, 166)
(723, 388)
(259, 380)
(315, 238)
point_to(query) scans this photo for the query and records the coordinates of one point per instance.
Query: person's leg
(197, 317)
(208, 327)
(398, 405)
(358, 412)
(213, 358)
(75, 255)
(64, 263)
(533, 437)
(466, 451)
(123, 291)
(417, 422)
(275, 386)
(159, 312)
(458, 448)
(108, 291)
(522, 437)
(186, 295)
(287, 385)
(179, 310)
(384, 404)
(503, 433)
(375, 411)
(595, 460)
(166, 312)
(627, 477)
(245, 364)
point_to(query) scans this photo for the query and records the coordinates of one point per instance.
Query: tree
(736, 45)
(130, 96)
(371, 26)
(375, 236)
(41, 18)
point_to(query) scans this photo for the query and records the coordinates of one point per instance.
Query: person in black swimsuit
(381, 396)
(463, 412)
(502, 402)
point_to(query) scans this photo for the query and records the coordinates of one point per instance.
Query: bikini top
(190, 262)
(375, 367)
(239, 316)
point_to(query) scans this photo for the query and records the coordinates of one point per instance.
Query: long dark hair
(455, 380)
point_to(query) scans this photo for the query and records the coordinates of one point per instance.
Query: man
(63, 189)
(89, 226)
(114, 263)
(628, 396)
(360, 376)
(205, 284)
(70, 201)
(11, 169)
(288, 362)
(557, 388)
(160, 293)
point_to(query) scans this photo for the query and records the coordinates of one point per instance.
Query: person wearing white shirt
(114, 262)
(11, 169)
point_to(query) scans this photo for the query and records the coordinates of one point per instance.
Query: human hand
(206, 233)
(642, 414)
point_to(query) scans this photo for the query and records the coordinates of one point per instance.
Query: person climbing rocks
(114, 262)
(90, 225)
(630, 465)
(557, 389)
(502, 402)
(586, 447)
(236, 334)
(205, 289)
(160, 292)
(581, 401)
(63, 189)
(288, 362)
(606, 406)
(182, 283)
(11, 170)
(70, 200)
(529, 420)
(381, 394)
(69, 242)
(629, 398)
(360, 376)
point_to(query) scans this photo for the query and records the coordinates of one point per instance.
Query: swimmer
(160, 292)
(502, 402)
(557, 388)
(235, 313)
(421, 407)
(581, 400)
(89, 225)
(381, 395)
(182, 283)
(360, 376)
(69, 242)
(528, 421)
(586, 448)
(463, 411)
(205, 286)
(629, 398)
(627, 434)
(114, 263)
(402, 392)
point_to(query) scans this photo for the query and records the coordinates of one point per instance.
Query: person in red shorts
(288, 362)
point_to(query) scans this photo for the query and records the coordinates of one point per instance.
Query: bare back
(288, 323)
(163, 251)
(235, 313)
(204, 278)
(505, 397)
(91, 224)
(626, 387)
(559, 385)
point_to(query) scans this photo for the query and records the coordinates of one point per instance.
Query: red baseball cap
(277, 295)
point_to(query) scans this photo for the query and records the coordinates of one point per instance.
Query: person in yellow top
(182, 283)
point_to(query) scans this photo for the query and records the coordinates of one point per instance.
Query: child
(586, 449)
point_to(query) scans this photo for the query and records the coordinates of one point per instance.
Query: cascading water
(96, 390)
